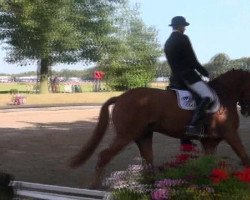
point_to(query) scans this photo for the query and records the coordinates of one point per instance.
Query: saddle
(186, 100)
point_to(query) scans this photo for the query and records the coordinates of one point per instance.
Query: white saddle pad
(186, 101)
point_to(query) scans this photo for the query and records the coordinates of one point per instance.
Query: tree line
(109, 33)
(218, 64)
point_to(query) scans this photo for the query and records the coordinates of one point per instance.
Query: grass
(30, 87)
(86, 97)
(61, 98)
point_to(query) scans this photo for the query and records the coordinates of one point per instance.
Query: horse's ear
(233, 69)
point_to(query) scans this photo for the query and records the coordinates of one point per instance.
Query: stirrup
(195, 131)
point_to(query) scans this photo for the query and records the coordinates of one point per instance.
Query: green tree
(218, 64)
(56, 31)
(132, 59)
(246, 62)
(163, 69)
(221, 63)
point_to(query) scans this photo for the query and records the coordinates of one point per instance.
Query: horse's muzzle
(245, 113)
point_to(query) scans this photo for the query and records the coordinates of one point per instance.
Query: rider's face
(181, 29)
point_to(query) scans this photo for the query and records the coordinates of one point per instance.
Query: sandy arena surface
(36, 144)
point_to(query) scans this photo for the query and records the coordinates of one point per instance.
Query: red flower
(244, 175)
(215, 180)
(179, 160)
(188, 148)
(218, 175)
(182, 158)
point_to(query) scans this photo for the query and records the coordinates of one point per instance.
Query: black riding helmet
(178, 21)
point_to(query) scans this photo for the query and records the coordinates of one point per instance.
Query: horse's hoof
(93, 185)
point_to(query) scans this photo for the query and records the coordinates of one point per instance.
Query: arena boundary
(37, 191)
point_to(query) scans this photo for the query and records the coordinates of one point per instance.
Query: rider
(186, 71)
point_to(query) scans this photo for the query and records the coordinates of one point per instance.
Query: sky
(216, 26)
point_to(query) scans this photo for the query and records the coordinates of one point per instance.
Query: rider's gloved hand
(205, 78)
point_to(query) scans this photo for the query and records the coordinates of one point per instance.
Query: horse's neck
(227, 88)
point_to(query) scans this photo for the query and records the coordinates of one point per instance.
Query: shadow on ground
(40, 154)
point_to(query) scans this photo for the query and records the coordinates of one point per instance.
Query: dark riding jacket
(182, 60)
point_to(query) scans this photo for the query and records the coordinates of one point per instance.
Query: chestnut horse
(139, 112)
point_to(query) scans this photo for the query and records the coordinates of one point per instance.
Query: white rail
(51, 192)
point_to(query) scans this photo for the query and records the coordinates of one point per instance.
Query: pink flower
(160, 194)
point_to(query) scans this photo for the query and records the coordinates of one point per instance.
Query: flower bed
(188, 176)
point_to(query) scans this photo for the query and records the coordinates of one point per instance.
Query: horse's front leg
(145, 145)
(210, 145)
(233, 139)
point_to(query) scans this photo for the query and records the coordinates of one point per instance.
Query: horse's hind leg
(105, 157)
(233, 139)
(145, 146)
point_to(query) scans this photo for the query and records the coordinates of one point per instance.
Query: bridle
(245, 107)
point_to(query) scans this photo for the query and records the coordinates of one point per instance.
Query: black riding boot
(195, 128)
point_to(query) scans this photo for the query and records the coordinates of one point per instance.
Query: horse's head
(244, 100)
(234, 84)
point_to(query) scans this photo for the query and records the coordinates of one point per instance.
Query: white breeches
(202, 89)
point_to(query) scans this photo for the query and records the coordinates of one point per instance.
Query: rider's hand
(205, 78)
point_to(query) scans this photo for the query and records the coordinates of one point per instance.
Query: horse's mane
(225, 83)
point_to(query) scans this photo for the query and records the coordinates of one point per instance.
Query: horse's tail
(101, 127)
